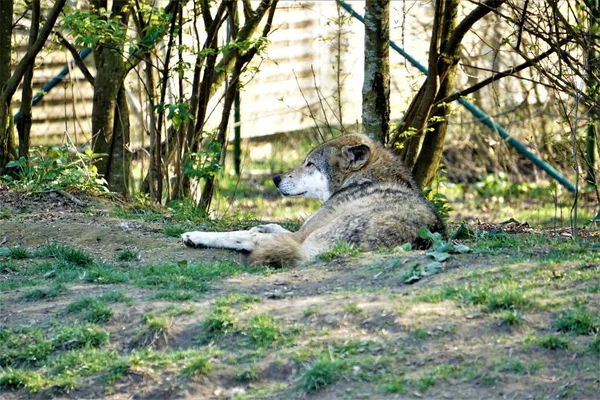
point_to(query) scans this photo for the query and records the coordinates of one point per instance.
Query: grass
(50, 292)
(31, 346)
(552, 342)
(352, 308)
(263, 329)
(199, 365)
(340, 249)
(511, 317)
(127, 255)
(322, 373)
(580, 321)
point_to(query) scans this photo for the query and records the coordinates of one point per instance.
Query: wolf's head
(342, 162)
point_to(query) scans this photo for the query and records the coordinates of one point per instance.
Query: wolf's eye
(310, 164)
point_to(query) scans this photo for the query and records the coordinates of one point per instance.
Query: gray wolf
(370, 200)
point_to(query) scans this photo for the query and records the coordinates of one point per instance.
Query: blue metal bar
(482, 116)
(55, 81)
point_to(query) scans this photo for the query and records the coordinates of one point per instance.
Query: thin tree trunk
(24, 120)
(376, 85)
(6, 15)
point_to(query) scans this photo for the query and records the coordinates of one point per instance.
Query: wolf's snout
(277, 180)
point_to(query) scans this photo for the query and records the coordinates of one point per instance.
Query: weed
(176, 311)
(127, 255)
(18, 253)
(511, 317)
(506, 298)
(352, 308)
(310, 311)
(579, 320)
(65, 253)
(158, 324)
(79, 336)
(321, 374)
(33, 381)
(248, 375)
(94, 310)
(220, 320)
(242, 299)
(420, 333)
(199, 365)
(105, 274)
(338, 250)
(595, 346)
(425, 382)
(46, 293)
(263, 329)
(552, 342)
(395, 386)
(173, 295)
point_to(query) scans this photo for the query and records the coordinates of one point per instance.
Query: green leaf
(424, 233)
(461, 248)
(432, 268)
(4, 251)
(438, 255)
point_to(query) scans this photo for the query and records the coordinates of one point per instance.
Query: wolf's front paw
(192, 239)
(269, 228)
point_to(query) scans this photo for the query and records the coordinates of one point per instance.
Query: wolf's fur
(370, 201)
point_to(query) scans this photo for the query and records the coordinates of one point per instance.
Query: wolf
(370, 200)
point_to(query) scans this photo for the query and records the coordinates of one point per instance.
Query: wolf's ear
(356, 156)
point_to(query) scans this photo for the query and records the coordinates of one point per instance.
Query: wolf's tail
(278, 251)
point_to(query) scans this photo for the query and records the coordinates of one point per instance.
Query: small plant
(199, 365)
(552, 342)
(511, 317)
(310, 311)
(127, 255)
(220, 320)
(579, 321)
(506, 298)
(18, 253)
(65, 253)
(158, 324)
(595, 346)
(321, 374)
(32, 381)
(248, 375)
(263, 329)
(47, 293)
(338, 250)
(395, 386)
(49, 169)
(420, 333)
(94, 310)
(352, 308)
(173, 295)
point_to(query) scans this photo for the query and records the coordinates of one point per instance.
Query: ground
(104, 301)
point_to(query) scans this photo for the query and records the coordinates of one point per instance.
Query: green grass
(91, 309)
(32, 381)
(580, 321)
(158, 324)
(199, 365)
(127, 255)
(220, 321)
(552, 342)
(322, 373)
(50, 292)
(340, 249)
(65, 253)
(595, 346)
(511, 317)
(310, 311)
(352, 308)
(263, 329)
(30, 346)
(174, 295)
(395, 385)
(18, 253)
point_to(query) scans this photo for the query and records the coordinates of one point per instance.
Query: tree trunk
(376, 85)
(24, 119)
(110, 75)
(6, 130)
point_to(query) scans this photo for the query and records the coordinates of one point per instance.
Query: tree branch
(463, 27)
(13, 83)
(497, 76)
(86, 72)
